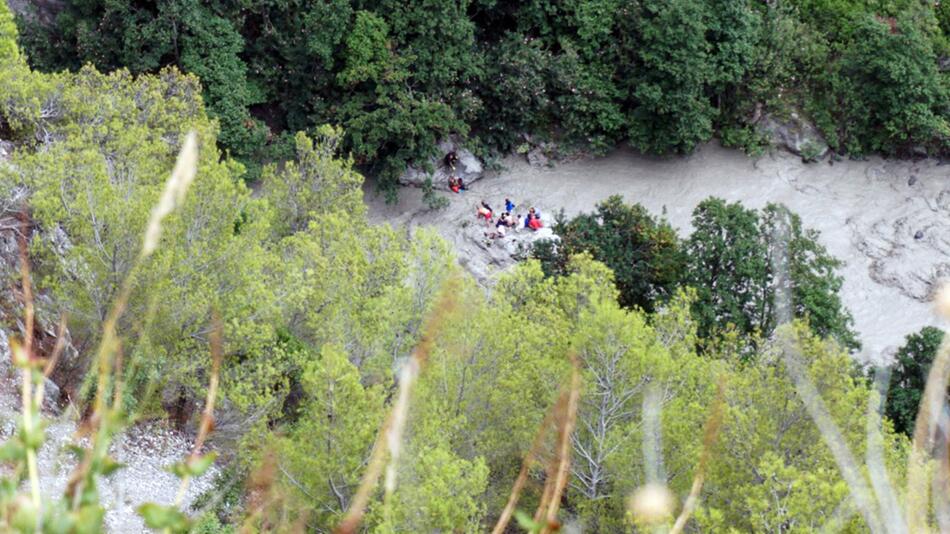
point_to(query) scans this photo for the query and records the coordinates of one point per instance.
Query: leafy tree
(728, 267)
(91, 188)
(671, 112)
(387, 123)
(811, 273)
(293, 50)
(754, 272)
(402, 76)
(323, 457)
(319, 181)
(909, 377)
(943, 17)
(643, 253)
(438, 491)
(895, 98)
(144, 37)
(515, 91)
(624, 361)
(9, 49)
(773, 469)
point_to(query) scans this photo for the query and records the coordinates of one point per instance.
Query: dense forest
(623, 379)
(588, 74)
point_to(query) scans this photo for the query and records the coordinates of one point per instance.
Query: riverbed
(887, 220)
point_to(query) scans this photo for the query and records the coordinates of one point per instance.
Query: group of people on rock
(507, 221)
(504, 222)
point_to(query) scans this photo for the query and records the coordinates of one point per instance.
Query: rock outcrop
(6, 150)
(795, 134)
(467, 167)
(484, 255)
(45, 336)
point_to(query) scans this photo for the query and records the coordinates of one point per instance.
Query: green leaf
(160, 517)
(197, 466)
(109, 466)
(12, 450)
(526, 522)
(179, 469)
(89, 519)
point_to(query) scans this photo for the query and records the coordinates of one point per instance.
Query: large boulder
(467, 167)
(795, 134)
(485, 256)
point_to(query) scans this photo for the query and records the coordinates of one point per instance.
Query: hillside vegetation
(588, 74)
(344, 348)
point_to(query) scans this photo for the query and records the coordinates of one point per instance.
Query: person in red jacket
(534, 222)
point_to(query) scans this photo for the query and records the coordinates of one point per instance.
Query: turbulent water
(887, 220)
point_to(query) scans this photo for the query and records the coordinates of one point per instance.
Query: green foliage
(322, 459)
(773, 467)
(643, 253)
(942, 12)
(737, 259)
(672, 113)
(9, 49)
(317, 181)
(148, 36)
(737, 263)
(812, 272)
(320, 309)
(896, 97)
(728, 266)
(439, 492)
(909, 377)
(433, 200)
(367, 51)
(401, 76)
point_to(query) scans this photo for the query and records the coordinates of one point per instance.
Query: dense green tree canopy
(909, 377)
(752, 270)
(661, 75)
(756, 270)
(643, 253)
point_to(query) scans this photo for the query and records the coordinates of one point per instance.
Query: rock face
(45, 337)
(487, 255)
(6, 149)
(538, 156)
(796, 135)
(467, 167)
(12, 378)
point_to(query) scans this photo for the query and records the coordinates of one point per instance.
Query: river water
(887, 220)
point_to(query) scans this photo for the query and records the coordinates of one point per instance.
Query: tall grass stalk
(832, 435)
(710, 434)
(920, 465)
